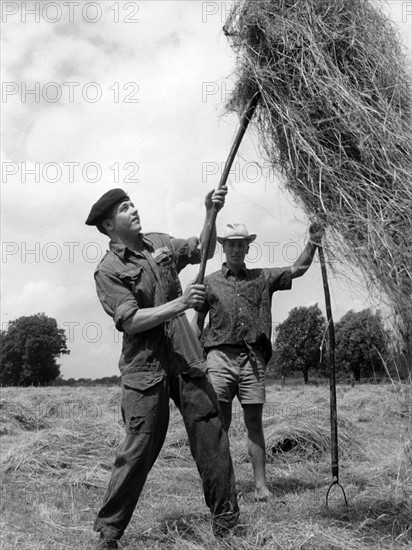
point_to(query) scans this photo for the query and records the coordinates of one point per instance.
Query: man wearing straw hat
(237, 341)
(137, 284)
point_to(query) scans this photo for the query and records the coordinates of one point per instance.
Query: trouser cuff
(107, 531)
(223, 523)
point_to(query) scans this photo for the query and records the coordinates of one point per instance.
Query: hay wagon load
(334, 118)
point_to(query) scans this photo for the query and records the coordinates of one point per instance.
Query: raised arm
(214, 199)
(304, 261)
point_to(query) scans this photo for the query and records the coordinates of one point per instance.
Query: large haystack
(335, 119)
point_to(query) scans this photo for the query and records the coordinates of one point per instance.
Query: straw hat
(236, 231)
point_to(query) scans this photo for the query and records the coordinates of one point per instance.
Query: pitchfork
(332, 379)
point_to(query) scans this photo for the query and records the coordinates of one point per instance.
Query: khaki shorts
(235, 373)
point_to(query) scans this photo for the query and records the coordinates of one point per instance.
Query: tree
(29, 348)
(361, 343)
(299, 339)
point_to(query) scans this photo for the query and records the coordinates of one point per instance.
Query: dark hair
(100, 227)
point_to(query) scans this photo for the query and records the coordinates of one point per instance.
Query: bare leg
(256, 448)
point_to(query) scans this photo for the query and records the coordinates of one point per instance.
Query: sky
(130, 94)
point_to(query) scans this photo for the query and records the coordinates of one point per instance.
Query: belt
(239, 348)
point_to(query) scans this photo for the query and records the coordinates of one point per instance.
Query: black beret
(106, 201)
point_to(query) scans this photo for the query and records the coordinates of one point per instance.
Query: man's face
(235, 250)
(124, 220)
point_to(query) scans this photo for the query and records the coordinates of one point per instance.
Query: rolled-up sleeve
(279, 278)
(186, 251)
(116, 299)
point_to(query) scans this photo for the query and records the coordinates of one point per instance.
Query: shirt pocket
(254, 293)
(131, 278)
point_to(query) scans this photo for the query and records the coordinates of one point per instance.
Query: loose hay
(335, 119)
(305, 437)
(310, 437)
(15, 419)
(83, 451)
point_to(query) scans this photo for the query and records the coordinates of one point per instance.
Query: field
(58, 444)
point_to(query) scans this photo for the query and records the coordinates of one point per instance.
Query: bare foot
(263, 493)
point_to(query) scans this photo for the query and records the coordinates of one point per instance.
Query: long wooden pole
(225, 174)
(334, 448)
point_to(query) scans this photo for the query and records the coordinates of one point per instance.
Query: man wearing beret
(137, 283)
(237, 342)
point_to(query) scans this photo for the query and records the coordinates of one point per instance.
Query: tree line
(362, 347)
(31, 344)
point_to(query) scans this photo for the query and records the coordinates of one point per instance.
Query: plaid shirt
(126, 281)
(240, 307)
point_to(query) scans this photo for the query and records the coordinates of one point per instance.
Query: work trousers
(146, 414)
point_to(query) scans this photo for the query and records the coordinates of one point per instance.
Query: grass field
(58, 444)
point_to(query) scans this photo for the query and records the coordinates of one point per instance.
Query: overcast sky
(109, 94)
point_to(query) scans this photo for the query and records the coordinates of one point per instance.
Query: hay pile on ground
(16, 419)
(310, 437)
(72, 434)
(306, 437)
(335, 119)
(81, 452)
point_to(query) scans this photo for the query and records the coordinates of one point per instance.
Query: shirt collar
(227, 271)
(122, 251)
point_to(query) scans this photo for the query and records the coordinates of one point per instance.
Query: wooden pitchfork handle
(225, 174)
(332, 381)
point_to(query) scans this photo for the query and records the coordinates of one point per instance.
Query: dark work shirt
(127, 280)
(240, 307)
